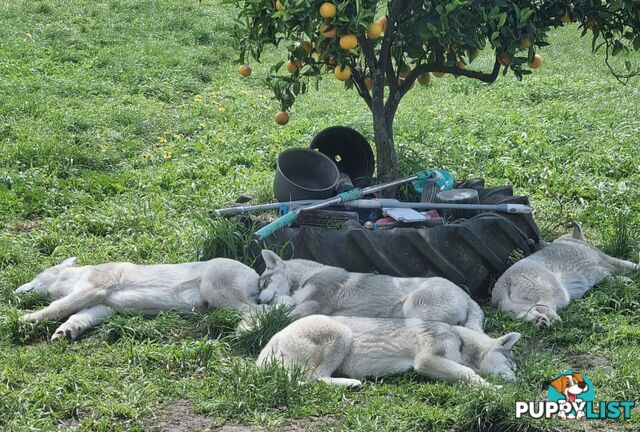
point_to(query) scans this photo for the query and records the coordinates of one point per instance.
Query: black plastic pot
(303, 174)
(349, 150)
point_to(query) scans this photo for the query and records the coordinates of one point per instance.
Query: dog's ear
(577, 232)
(509, 340)
(559, 384)
(270, 258)
(69, 262)
(578, 376)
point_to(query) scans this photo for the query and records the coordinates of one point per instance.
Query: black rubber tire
(472, 253)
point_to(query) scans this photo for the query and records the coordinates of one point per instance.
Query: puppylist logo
(571, 395)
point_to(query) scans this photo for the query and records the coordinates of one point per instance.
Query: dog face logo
(570, 385)
(572, 389)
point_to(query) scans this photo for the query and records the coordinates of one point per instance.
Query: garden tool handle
(277, 224)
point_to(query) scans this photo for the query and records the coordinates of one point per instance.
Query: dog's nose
(582, 385)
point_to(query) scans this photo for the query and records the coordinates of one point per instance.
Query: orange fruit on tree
(342, 73)
(327, 10)
(525, 42)
(279, 6)
(293, 65)
(424, 79)
(244, 70)
(461, 65)
(505, 59)
(348, 41)
(438, 74)
(375, 30)
(565, 18)
(307, 47)
(536, 62)
(328, 31)
(383, 22)
(282, 118)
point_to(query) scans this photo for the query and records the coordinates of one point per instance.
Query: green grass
(123, 123)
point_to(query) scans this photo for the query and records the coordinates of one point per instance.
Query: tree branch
(396, 10)
(394, 99)
(357, 77)
(377, 75)
(428, 67)
(367, 49)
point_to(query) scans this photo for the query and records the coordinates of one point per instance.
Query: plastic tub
(303, 174)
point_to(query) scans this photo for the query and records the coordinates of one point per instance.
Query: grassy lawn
(122, 123)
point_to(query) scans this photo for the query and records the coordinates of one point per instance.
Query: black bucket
(348, 149)
(304, 174)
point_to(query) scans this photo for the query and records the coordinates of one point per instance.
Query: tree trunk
(387, 163)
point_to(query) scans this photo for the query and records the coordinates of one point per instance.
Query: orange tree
(413, 39)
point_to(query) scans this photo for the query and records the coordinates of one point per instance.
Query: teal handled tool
(344, 197)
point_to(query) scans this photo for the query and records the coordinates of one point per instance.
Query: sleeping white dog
(537, 286)
(90, 294)
(354, 348)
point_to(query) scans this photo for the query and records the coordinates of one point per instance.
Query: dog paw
(342, 382)
(507, 376)
(60, 335)
(68, 333)
(353, 383)
(285, 300)
(542, 322)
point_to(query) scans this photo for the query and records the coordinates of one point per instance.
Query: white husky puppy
(356, 347)
(535, 287)
(313, 288)
(89, 294)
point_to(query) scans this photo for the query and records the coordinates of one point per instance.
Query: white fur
(356, 347)
(90, 294)
(536, 287)
(313, 288)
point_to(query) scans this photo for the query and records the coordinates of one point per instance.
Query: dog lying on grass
(535, 287)
(313, 288)
(355, 348)
(90, 294)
